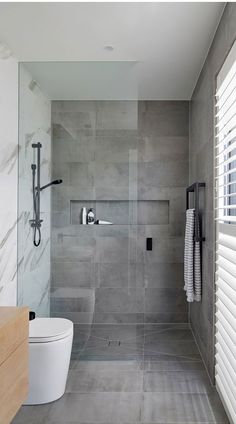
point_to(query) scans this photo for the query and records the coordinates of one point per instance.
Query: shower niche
(123, 212)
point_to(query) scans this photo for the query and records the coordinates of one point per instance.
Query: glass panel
(33, 262)
(128, 161)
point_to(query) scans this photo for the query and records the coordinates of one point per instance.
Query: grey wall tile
(201, 169)
(110, 154)
(163, 275)
(112, 249)
(164, 118)
(120, 300)
(119, 275)
(152, 148)
(114, 148)
(163, 174)
(113, 115)
(165, 300)
(73, 274)
(111, 174)
(164, 250)
(81, 174)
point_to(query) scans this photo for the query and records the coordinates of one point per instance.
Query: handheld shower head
(54, 182)
(57, 182)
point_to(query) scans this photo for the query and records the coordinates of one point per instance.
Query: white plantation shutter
(225, 214)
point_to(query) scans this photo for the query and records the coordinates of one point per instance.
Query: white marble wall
(8, 176)
(33, 262)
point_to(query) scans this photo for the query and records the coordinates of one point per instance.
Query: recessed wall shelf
(123, 212)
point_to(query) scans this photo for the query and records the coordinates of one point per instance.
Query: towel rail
(194, 188)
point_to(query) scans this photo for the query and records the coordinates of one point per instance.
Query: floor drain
(114, 342)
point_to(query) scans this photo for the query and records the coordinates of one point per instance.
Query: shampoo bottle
(90, 217)
(84, 216)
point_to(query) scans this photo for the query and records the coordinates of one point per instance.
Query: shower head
(54, 182)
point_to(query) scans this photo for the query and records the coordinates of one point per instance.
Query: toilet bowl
(50, 343)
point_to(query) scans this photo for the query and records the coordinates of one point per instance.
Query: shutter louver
(225, 215)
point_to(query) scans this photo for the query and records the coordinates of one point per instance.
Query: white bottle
(84, 216)
(90, 217)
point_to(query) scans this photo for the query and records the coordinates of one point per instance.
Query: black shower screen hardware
(36, 222)
(194, 188)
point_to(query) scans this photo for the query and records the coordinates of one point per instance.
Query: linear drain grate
(113, 343)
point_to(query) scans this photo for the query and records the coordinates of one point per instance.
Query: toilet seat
(43, 330)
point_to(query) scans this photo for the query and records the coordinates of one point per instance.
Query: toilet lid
(49, 329)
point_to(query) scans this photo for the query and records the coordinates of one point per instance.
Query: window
(225, 214)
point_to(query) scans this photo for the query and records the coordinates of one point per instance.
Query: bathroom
(102, 151)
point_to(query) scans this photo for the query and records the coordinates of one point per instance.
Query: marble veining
(33, 262)
(8, 175)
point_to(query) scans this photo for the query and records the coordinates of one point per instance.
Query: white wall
(8, 177)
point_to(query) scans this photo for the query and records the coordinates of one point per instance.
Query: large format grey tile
(118, 318)
(97, 408)
(163, 174)
(72, 273)
(156, 332)
(32, 414)
(165, 300)
(164, 118)
(174, 365)
(116, 342)
(171, 350)
(179, 408)
(115, 148)
(126, 333)
(177, 382)
(105, 380)
(105, 366)
(162, 275)
(116, 378)
(120, 275)
(153, 148)
(129, 300)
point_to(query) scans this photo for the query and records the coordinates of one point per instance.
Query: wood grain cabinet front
(14, 360)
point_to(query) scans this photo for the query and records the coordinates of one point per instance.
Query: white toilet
(50, 343)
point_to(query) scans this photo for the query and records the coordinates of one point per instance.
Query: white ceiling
(166, 44)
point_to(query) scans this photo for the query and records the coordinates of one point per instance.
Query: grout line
(204, 363)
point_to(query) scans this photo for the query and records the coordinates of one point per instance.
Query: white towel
(192, 260)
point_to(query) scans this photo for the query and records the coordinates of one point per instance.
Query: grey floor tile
(177, 382)
(133, 374)
(170, 350)
(114, 342)
(184, 366)
(114, 380)
(124, 332)
(179, 408)
(106, 366)
(32, 414)
(170, 332)
(118, 354)
(97, 408)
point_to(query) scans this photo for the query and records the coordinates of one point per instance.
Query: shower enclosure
(128, 160)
